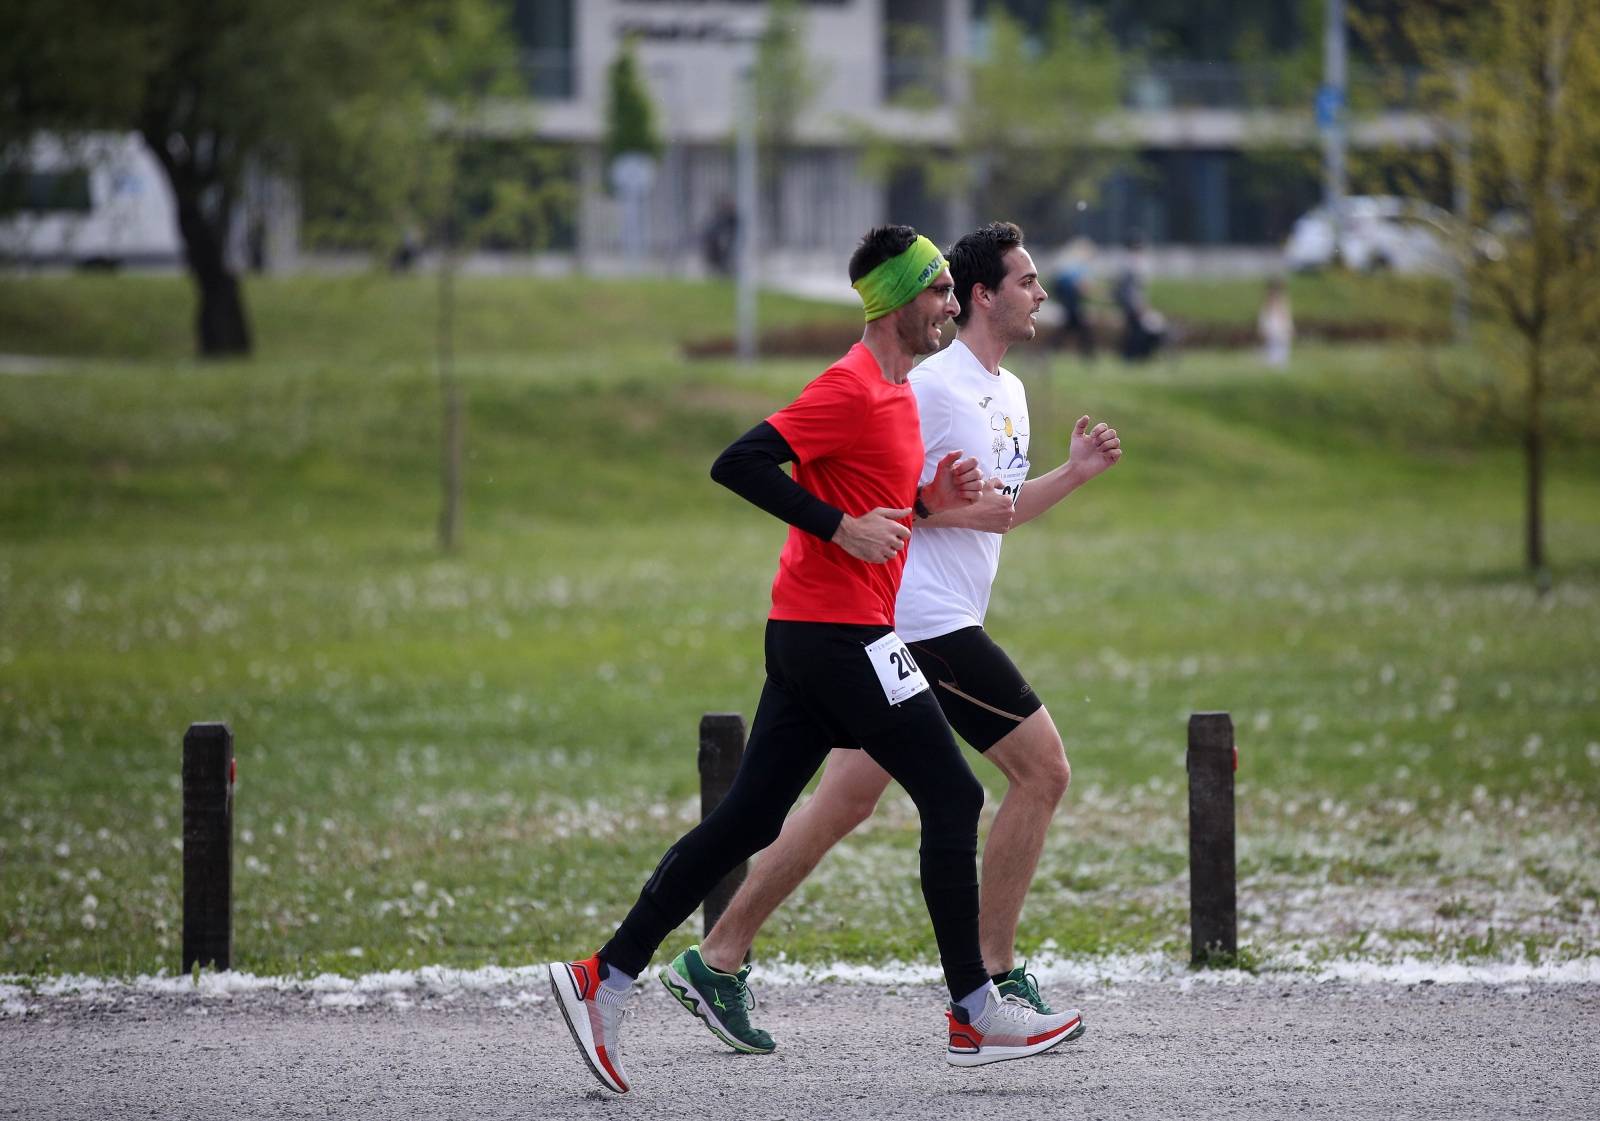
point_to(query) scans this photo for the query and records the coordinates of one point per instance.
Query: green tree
(786, 82)
(1037, 116)
(1034, 111)
(465, 185)
(317, 93)
(382, 112)
(630, 113)
(448, 178)
(1515, 87)
(632, 146)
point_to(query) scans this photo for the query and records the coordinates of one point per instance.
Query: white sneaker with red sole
(594, 1016)
(1008, 1028)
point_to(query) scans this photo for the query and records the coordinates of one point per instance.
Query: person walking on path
(836, 671)
(965, 399)
(1276, 324)
(1144, 328)
(1072, 283)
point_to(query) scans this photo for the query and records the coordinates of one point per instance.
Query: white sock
(616, 980)
(977, 1000)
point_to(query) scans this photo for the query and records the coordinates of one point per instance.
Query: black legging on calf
(949, 865)
(690, 869)
(822, 693)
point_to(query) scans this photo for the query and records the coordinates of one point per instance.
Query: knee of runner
(1057, 777)
(855, 807)
(966, 796)
(953, 800)
(763, 832)
(1051, 774)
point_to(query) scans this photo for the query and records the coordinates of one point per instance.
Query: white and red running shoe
(594, 1016)
(1009, 1028)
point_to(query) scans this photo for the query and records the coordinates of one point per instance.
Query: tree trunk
(453, 447)
(1533, 452)
(221, 326)
(224, 331)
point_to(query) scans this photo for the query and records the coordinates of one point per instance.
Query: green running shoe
(722, 1000)
(1019, 982)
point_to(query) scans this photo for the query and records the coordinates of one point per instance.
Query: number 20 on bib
(897, 670)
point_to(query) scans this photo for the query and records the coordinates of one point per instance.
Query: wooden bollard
(1213, 898)
(208, 773)
(721, 750)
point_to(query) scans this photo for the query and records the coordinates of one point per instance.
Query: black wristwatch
(921, 507)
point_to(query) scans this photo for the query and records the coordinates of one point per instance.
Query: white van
(1377, 232)
(97, 200)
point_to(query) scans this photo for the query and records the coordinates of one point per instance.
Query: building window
(914, 60)
(546, 46)
(911, 203)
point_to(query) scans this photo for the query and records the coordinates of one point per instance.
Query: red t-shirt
(858, 446)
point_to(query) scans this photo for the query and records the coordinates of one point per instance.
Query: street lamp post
(748, 203)
(1331, 118)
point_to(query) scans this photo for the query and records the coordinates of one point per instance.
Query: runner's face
(922, 319)
(1016, 305)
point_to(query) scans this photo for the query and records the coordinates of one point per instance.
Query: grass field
(376, 318)
(477, 758)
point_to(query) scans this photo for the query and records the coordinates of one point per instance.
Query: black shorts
(820, 684)
(982, 693)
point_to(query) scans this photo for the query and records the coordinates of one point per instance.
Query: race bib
(897, 670)
(1012, 478)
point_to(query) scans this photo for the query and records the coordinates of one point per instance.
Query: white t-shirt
(964, 407)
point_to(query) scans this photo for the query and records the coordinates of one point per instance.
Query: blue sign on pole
(1330, 104)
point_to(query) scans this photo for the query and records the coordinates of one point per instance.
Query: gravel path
(1263, 1049)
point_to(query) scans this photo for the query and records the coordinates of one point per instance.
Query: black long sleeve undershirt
(752, 467)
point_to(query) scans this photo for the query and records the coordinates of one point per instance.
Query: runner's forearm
(752, 467)
(1038, 495)
(968, 516)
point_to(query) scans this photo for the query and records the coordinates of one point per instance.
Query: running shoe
(594, 1016)
(1009, 1028)
(1019, 982)
(722, 1000)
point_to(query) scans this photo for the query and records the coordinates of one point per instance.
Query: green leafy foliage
(1037, 117)
(630, 113)
(1512, 87)
(786, 78)
(340, 99)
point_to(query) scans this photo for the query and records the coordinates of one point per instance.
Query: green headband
(899, 280)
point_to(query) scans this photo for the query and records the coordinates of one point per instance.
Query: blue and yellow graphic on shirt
(1010, 448)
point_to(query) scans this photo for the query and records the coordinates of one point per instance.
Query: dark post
(208, 847)
(1213, 902)
(721, 749)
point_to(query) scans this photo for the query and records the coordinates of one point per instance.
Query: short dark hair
(878, 245)
(979, 258)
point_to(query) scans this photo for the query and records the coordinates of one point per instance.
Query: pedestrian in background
(1276, 323)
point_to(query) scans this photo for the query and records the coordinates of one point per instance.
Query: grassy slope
(436, 753)
(377, 318)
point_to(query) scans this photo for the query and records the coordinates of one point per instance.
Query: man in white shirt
(965, 400)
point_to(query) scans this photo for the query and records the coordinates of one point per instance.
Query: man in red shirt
(837, 674)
